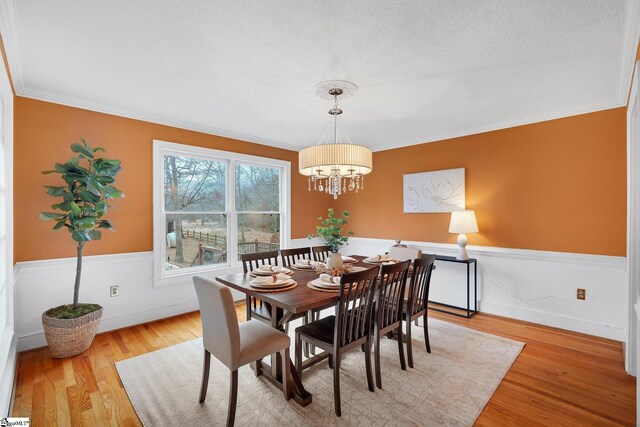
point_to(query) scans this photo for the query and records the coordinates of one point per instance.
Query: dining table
(285, 305)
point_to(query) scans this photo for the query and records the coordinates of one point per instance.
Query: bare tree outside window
(196, 213)
(258, 207)
(194, 197)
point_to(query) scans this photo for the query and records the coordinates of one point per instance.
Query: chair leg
(258, 367)
(409, 344)
(233, 399)
(286, 373)
(330, 361)
(377, 359)
(403, 365)
(426, 333)
(367, 361)
(299, 355)
(416, 322)
(286, 328)
(336, 385)
(248, 304)
(305, 321)
(205, 375)
(314, 316)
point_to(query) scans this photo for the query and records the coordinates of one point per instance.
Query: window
(258, 208)
(212, 206)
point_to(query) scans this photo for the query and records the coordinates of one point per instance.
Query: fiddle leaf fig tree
(88, 185)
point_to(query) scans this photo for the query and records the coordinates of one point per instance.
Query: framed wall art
(435, 191)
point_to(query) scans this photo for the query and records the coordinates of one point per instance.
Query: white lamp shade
(463, 222)
(347, 158)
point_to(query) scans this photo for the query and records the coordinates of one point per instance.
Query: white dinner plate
(304, 266)
(325, 285)
(260, 272)
(379, 261)
(268, 284)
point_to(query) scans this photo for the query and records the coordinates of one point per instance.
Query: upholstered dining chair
(417, 303)
(389, 309)
(320, 253)
(403, 253)
(290, 256)
(235, 344)
(255, 308)
(350, 328)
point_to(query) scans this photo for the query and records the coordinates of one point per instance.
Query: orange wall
(558, 185)
(42, 135)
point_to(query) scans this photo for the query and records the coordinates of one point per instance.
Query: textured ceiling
(426, 70)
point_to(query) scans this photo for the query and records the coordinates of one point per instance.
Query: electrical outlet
(582, 294)
(114, 290)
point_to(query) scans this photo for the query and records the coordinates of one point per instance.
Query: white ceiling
(426, 70)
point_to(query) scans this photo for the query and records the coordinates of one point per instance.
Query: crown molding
(502, 125)
(151, 118)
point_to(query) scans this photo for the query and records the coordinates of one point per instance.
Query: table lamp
(463, 222)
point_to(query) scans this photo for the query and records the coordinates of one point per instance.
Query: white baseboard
(7, 379)
(557, 321)
(37, 339)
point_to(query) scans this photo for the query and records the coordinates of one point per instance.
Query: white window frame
(164, 277)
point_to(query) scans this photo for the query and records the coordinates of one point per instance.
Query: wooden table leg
(274, 372)
(276, 359)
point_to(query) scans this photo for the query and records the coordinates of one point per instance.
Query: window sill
(186, 278)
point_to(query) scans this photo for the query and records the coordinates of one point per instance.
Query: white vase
(334, 260)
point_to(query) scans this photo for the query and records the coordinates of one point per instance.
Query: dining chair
(350, 328)
(290, 256)
(404, 253)
(417, 303)
(255, 307)
(389, 309)
(234, 344)
(320, 253)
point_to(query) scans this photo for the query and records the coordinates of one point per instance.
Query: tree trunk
(176, 206)
(76, 288)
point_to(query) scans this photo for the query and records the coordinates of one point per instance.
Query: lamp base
(462, 247)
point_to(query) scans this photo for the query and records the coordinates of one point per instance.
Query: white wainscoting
(40, 285)
(536, 286)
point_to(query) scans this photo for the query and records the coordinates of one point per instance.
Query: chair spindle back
(353, 310)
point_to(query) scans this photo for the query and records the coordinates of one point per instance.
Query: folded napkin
(335, 280)
(380, 257)
(304, 262)
(270, 279)
(268, 267)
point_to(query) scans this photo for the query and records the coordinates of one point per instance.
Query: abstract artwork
(436, 191)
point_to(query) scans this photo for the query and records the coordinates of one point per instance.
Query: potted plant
(330, 232)
(88, 180)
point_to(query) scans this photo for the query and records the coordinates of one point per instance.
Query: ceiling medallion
(335, 165)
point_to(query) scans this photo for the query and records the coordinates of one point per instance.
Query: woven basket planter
(68, 337)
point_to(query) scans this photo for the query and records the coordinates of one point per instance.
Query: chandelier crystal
(335, 165)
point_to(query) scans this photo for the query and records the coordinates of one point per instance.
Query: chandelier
(335, 165)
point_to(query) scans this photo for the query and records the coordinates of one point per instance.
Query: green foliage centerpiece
(330, 232)
(88, 186)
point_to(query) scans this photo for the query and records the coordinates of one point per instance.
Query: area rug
(450, 386)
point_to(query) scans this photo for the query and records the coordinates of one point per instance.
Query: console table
(469, 312)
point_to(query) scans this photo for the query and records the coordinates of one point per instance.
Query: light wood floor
(560, 378)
